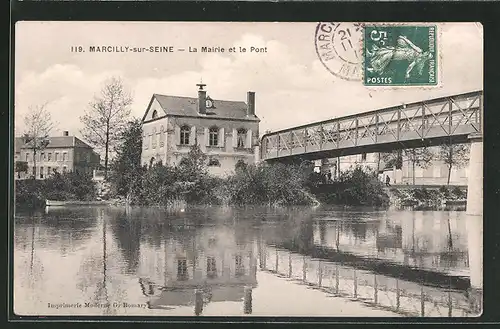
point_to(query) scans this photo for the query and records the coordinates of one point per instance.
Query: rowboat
(54, 203)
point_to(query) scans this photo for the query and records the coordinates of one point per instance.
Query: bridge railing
(379, 291)
(437, 118)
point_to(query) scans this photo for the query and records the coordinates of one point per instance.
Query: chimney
(202, 99)
(65, 133)
(251, 104)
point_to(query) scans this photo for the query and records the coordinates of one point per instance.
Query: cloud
(289, 90)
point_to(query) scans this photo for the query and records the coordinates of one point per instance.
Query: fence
(400, 296)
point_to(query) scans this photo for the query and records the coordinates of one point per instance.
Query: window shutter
(177, 135)
(249, 139)
(207, 137)
(235, 138)
(192, 136)
(222, 137)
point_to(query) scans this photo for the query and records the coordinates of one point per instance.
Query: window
(65, 156)
(154, 138)
(42, 156)
(213, 136)
(363, 157)
(49, 156)
(212, 162)
(49, 171)
(41, 172)
(65, 169)
(145, 141)
(185, 130)
(182, 273)
(56, 156)
(155, 114)
(241, 138)
(27, 157)
(240, 269)
(162, 136)
(211, 267)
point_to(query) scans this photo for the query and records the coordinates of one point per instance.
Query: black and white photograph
(238, 169)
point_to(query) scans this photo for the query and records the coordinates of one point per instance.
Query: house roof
(55, 142)
(187, 106)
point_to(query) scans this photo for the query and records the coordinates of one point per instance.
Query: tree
(127, 164)
(106, 118)
(392, 159)
(421, 157)
(38, 124)
(454, 155)
(21, 166)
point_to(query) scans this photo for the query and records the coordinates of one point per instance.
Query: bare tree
(421, 157)
(107, 117)
(454, 155)
(38, 124)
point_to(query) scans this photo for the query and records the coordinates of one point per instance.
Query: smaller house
(62, 154)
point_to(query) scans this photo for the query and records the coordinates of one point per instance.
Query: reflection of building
(226, 131)
(62, 154)
(212, 261)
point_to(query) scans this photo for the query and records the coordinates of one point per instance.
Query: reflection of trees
(127, 233)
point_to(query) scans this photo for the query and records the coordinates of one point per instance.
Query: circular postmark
(339, 48)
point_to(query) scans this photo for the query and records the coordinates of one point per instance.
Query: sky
(292, 86)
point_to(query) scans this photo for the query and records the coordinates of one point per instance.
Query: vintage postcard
(322, 169)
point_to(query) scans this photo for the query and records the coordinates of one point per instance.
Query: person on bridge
(387, 180)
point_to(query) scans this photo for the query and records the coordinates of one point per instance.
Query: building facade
(62, 154)
(226, 131)
(436, 173)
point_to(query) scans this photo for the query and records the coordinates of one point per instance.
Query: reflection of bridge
(448, 119)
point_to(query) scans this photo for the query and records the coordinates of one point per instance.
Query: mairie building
(226, 131)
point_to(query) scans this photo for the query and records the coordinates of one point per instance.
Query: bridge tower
(474, 220)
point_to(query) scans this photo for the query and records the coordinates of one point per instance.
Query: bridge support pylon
(474, 221)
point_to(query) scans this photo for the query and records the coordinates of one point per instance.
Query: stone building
(63, 154)
(226, 131)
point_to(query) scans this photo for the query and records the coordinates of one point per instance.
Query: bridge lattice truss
(438, 119)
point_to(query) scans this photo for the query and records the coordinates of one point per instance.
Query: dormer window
(213, 136)
(154, 115)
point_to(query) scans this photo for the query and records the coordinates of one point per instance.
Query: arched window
(241, 138)
(213, 136)
(154, 138)
(155, 114)
(151, 161)
(162, 136)
(185, 131)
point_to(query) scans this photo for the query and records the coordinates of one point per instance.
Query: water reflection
(157, 260)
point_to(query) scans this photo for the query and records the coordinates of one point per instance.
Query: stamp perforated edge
(439, 64)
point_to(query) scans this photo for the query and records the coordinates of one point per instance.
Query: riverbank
(427, 198)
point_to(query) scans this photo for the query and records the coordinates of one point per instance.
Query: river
(148, 261)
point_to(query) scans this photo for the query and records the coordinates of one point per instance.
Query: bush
(356, 187)
(62, 187)
(458, 192)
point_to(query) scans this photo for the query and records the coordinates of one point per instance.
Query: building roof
(187, 106)
(54, 142)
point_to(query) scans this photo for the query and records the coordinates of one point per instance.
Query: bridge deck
(427, 123)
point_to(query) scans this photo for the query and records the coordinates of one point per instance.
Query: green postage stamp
(400, 55)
